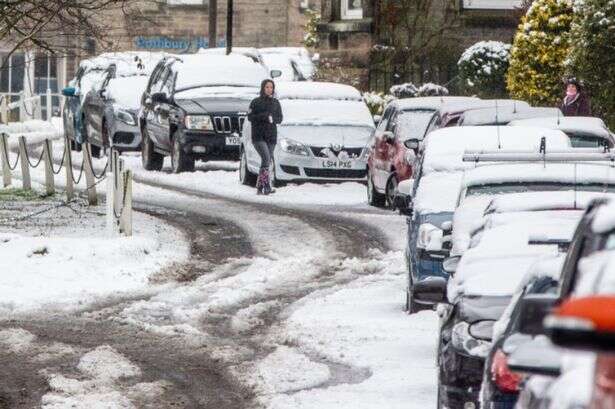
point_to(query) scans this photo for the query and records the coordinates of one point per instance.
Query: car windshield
(413, 124)
(500, 188)
(580, 140)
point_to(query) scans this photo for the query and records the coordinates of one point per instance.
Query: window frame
(348, 14)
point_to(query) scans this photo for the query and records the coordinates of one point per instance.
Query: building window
(492, 4)
(12, 75)
(352, 9)
(46, 77)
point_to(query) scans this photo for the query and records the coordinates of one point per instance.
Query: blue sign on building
(177, 45)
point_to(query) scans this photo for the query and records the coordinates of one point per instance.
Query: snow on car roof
(499, 263)
(504, 114)
(437, 192)
(453, 107)
(316, 91)
(572, 173)
(428, 103)
(326, 112)
(282, 62)
(589, 125)
(127, 91)
(212, 70)
(444, 148)
(285, 50)
(604, 219)
(126, 62)
(249, 52)
(537, 201)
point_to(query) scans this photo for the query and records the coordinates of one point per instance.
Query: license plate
(232, 140)
(339, 164)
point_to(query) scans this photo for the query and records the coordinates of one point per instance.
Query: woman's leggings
(265, 151)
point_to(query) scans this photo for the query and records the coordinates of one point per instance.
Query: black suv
(194, 108)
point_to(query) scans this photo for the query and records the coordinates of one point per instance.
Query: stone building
(175, 26)
(385, 42)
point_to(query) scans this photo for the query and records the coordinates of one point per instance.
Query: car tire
(75, 146)
(374, 198)
(150, 159)
(391, 189)
(95, 151)
(246, 177)
(181, 161)
(412, 307)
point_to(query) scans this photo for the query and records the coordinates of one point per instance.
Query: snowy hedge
(376, 101)
(539, 53)
(593, 48)
(483, 67)
(409, 90)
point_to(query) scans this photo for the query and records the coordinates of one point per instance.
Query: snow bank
(34, 130)
(80, 264)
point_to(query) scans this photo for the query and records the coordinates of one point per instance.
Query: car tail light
(505, 379)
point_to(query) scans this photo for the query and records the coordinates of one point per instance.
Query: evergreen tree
(539, 52)
(483, 67)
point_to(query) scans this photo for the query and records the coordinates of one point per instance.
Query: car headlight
(293, 147)
(200, 122)
(463, 341)
(126, 117)
(429, 237)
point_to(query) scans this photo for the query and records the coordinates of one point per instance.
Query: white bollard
(68, 166)
(4, 154)
(49, 104)
(50, 188)
(4, 109)
(126, 204)
(25, 167)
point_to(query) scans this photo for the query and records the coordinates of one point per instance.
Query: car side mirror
(68, 91)
(584, 323)
(412, 144)
(432, 289)
(159, 98)
(450, 264)
(403, 203)
(275, 73)
(388, 136)
(377, 119)
(532, 311)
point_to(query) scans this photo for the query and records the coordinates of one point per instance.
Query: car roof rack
(562, 244)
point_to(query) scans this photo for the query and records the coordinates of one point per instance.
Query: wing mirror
(584, 323)
(412, 144)
(450, 264)
(275, 73)
(431, 289)
(377, 119)
(159, 98)
(69, 92)
(532, 312)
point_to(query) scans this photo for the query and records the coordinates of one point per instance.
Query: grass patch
(12, 194)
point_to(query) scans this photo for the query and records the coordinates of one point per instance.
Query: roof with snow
(249, 52)
(557, 173)
(589, 125)
(604, 219)
(454, 107)
(308, 90)
(202, 70)
(428, 103)
(502, 115)
(127, 63)
(444, 148)
(539, 201)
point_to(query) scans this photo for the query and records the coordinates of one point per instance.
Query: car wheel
(374, 198)
(95, 151)
(391, 190)
(412, 307)
(246, 177)
(180, 160)
(150, 159)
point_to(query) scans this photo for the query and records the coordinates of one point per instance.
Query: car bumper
(209, 145)
(461, 377)
(126, 137)
(307, 168)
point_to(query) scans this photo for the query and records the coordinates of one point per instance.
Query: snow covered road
(293, 301)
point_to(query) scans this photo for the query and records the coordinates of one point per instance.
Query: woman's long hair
(263, 84)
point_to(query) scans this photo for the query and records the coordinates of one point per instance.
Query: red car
(390, 161)
(589, 324)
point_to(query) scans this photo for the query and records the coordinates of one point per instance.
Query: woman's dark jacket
(578, 106)
(260, 110)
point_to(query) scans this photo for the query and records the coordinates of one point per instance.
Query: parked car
(435, 194)
(584, 132)
(194, 107)
(450, 113)
(90, 76)
(300, 54)
(502, 115)
(285, 64)
(323, 137)
(390, 161)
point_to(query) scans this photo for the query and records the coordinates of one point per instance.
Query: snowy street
(263, 290)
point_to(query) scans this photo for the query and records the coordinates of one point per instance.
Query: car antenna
(497, 124)
(543, 150)
(558, 117)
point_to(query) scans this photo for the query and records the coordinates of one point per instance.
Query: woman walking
(575, 103)
(265, 114)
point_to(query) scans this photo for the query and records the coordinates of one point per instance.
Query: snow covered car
(478, 293)
(300, 54)
(323, 137)
(286, 65)
(390, 161)
(502, 115)
(90, 76)
(194, 107)
(584, 132)
(435, 193)
(449, 114)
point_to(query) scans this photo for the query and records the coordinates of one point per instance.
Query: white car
(300, 54)
(323, 137)
(286, 64)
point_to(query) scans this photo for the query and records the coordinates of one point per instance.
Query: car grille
(229, 124)
(336, 173)
(352, 152)
(293, 170)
